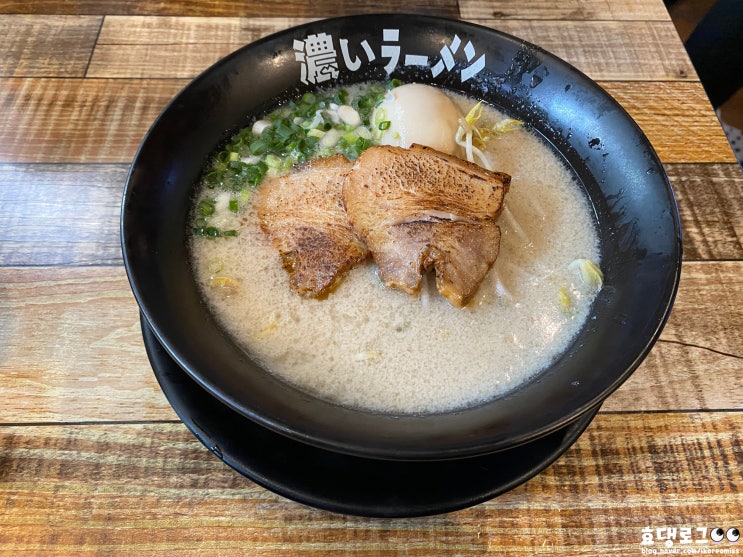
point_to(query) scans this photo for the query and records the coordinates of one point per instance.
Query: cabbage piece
(589, 272)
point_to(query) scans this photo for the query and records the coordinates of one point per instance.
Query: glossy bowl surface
(635, 208)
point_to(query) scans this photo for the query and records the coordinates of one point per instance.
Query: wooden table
(94, 460)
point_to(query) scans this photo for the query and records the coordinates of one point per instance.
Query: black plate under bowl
(636, 215)
(343, 483)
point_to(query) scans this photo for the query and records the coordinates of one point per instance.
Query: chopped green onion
(212, 232)
(384, 125)
(258, 147)
(212, 179)
(341, 97)
(273, 161)
(349, 137)
(206, 207)
(284, 130)
(255, 173)
(295, 132)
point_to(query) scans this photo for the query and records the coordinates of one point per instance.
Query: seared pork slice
(418, 209)
(461, 253)
(303, 215)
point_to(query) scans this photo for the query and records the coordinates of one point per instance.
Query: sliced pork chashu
(418, 209)
(461, 253)
(303, 215)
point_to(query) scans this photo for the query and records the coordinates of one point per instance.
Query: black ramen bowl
(635, 213)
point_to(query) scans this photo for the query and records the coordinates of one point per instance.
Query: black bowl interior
(635, 209)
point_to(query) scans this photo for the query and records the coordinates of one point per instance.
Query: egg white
(420, 114)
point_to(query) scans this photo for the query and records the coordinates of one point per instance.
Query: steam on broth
(377, 348)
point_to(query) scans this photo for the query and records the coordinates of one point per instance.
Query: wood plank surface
(156, 61)
(710, 200)
(94, 461)
(57, 214)
(49, 46)
(675, 116)
(605, 50)
(573, 10)
(96, 367)
(703, 314)
(608, 50)
(105, 119)
(166, 47)
(78, 120)
(155, 488)
(71, 347)
(285, 8)
(700, 349)
(185, 31)
(637, 10)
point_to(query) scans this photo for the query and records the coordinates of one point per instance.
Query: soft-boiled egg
(417, 113)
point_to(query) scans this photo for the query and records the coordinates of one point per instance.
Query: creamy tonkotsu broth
(376, 348)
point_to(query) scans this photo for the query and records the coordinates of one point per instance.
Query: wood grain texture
(700, 352)
(104, 120)
(710, 199)
(50, 46)
(166, 47)
(605, 50)
(675, 116)
(154, 488)
(78, 120)
(56, 214)
(95, 367)
(608, 50)
(719, 307)
(71, 348)
(93, 460)
(573, 10)
(156, 61)
(286, 8)
(165, 30)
